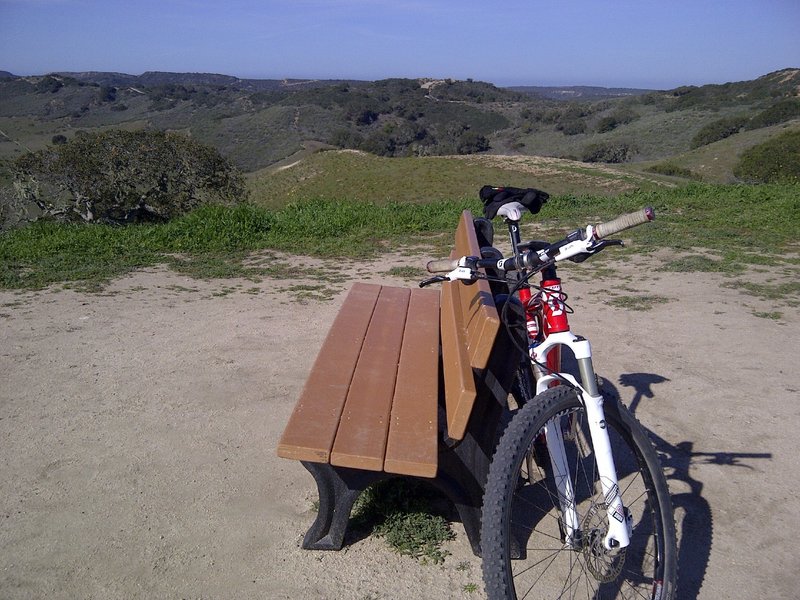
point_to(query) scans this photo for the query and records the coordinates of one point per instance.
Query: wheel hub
(605, 565)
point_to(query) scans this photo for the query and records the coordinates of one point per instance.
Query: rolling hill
(259, 123)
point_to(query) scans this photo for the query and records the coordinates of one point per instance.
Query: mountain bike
(576, 503)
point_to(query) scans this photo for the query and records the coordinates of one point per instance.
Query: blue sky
(642, 43)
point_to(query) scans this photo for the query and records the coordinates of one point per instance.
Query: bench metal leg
(338, 490)
(463, 468)
(467, 504)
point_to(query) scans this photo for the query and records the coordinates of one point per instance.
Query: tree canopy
(125, 176)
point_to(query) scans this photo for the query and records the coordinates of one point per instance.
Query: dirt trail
(138, 432)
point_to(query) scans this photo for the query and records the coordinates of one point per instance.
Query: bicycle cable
(508, 325)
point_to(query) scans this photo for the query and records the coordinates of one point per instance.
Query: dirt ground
(138, 430)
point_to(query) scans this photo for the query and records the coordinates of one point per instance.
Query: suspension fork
(618, 534)
(557, 331)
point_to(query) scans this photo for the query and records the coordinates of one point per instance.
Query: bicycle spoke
(539, 577)
(549, 565)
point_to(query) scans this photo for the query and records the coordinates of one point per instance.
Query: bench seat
(407, 382)
(370, 401)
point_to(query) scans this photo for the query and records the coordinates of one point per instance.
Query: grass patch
(774, 292)
(743, 224)
(672, 170)
(421, 180)
(407, 272)
(305, 292)
(772, 315)
(403, 512)
(213, 266)
(698, 263)
(645, 302)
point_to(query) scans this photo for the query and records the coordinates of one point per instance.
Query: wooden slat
(466, 238)
(311, 430)
(480, 317)
(459, 380)
(411, 448)
(482, 325)
(361, 439)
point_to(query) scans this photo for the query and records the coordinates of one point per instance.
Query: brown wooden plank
(361, 439)
(310, 433)
(459, 380)
(481, 320)
(411, 448)
(466, 238)
(482, 326)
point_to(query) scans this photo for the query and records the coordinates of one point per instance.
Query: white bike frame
(618, 535)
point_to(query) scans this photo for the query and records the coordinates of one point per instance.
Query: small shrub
(345, 138)
(672, 170)
(471, 142)
(719, 130)
(572, 127)
(775, 161)
(48, 85)
(619, 117)
(608, 152)
(778, 113)
(400, 512)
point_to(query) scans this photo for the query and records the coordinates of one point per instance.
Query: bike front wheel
(527, 552)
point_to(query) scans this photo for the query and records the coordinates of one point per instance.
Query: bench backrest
(469, 327)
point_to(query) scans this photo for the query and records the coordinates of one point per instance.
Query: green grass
(363, 177)
(643, 302)
(783, 292)
(403, 512)
(772, 315)
(698, 263)
(741, 224)
(409, 273)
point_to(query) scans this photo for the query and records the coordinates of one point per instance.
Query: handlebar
(442, 265)
(624, 222)
(576, 246)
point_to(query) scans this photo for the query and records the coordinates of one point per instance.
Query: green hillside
(258, 123)
(358, 176)
(714, 163)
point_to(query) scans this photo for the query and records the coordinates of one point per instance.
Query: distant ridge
(158, 78)
(579, 92)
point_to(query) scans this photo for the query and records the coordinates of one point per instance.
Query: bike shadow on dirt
(696, 529)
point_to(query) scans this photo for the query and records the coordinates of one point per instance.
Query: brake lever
(603, 243)
(435, 279)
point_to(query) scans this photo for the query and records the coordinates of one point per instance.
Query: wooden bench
(407, 383)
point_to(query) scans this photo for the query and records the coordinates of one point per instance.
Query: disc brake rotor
(605, 565)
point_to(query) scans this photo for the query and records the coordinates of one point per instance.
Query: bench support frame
(461, 477)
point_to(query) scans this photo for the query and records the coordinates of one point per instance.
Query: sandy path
(138, 432)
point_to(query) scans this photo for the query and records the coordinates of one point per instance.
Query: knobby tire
(522, 539)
